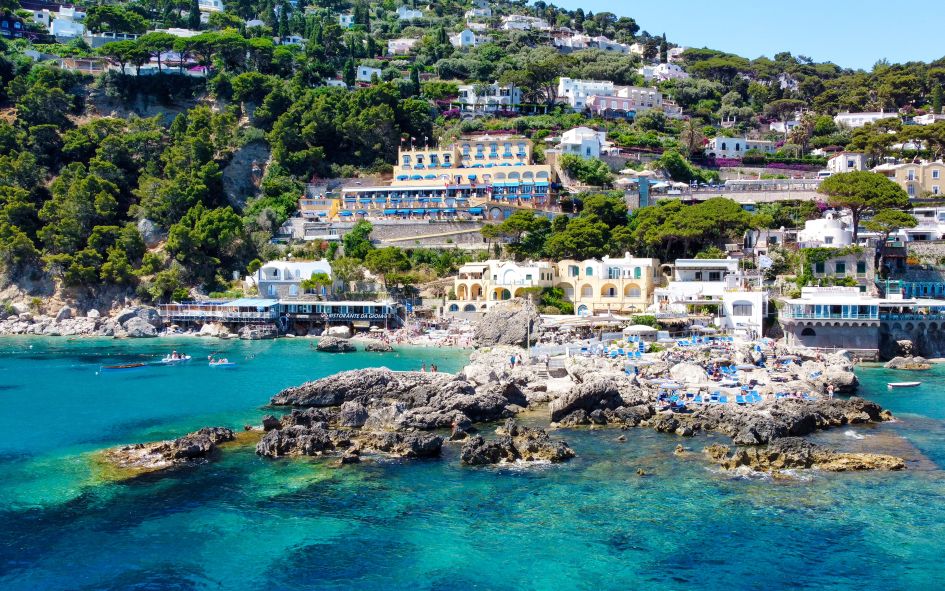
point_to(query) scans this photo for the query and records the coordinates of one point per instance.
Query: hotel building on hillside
(464, 177)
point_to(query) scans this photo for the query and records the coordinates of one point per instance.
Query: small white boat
(892, 385)
(168, 360)
(222, 365)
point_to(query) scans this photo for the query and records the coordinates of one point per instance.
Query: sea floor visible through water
(245, 522)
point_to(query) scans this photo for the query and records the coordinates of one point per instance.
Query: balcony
(815, 316)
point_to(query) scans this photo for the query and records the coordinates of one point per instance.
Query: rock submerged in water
(334, 345)
(791, 453)
(162, 455)
(515, 443)
(320, 439)
(908, 363)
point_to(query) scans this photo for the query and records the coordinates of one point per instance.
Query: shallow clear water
(248, 523)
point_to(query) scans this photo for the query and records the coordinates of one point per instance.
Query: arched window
(724, 147)
(587, 291)
(808, 332)
(632, 291)
(454, 308)
(589, 271)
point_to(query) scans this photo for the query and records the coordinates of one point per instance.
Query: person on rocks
(830, 391)
(512, 362)
(423, 367)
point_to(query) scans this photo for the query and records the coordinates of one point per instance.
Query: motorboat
(892, 385)
(223, 364)
(169, 360)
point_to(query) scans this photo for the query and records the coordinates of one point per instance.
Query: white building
(494, 98)
(733, 147)
(334, 83)
(783, 126)
(931, 225)
(853, 120)
(346, 20)
(928, 118)
(211, 5)
(583, 142)
(484, 12)
(675, 54)
(284, 278)
(401, 46)
(846, 162)
(578, 42)
(831, 230)
(366, 73)
(718, 285)
(576, 92)
(663, 72)
(521, 22)
(405, 13)
(467, 38)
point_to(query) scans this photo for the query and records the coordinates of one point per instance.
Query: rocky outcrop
(792, 453)
(334, 345)
(162, 455)
(377, 346)
(258, 332)
(508, 323)
(600, 394)
(908, 363)
(150, 233)
(136, 328)
(341, 332)
(515, 443)
(214, 330)
(401, 400)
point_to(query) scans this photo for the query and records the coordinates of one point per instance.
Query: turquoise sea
(248, 523)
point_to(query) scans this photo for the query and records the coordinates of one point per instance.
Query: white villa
(717, 286)
(366, 73)
(853, 120)
(467, 38)
(495, 97)
(346, 20)
(846, 162)
(576, 92)
(401, 46)
(830, 230)
(405, 13)
(521, 22)
(733, 147)
(281, 279)
(662, 72)
(583, 142)
(211, 5)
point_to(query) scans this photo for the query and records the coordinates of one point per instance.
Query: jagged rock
(146, 313)
(298, 440)
(407, 399)
(602, 394)
(402, 445)
(796, 453)
(150, 232)
(515, 443)
(20, 308)
(351, 456)
(258, 332)
(334, 345)
(910, 363)
(270, 422)
(688, 373)
(65, 313)
(161, 455)
(137, 328)
(341, 332)
(352, 414)
(508, 323)
(214, 330)
(377, 346)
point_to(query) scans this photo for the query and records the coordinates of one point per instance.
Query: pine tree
(193, 18)
(348, 74)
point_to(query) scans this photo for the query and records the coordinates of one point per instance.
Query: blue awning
(419, 211)
(390, 211)
(361, 212)
(346, 213)
(402, 177)
(430, 176)
(436, 200)
(541, 183)
(475, 210)
(449, 210)
(422, 199)
(417, 177)
(322, 213)
(471, 176)
(364, 199)
(403, 211)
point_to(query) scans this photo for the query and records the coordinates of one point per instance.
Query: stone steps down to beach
(163, 455)
(515, 443)
(792, 453)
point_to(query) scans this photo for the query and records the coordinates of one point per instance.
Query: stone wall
(928, 337)
(929, 253)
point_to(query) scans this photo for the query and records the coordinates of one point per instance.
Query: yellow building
(619, 285)
(461, 178)
(918, 179)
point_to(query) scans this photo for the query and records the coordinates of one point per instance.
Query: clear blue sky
(850, 34)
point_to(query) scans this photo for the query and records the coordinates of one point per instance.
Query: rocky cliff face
(509, 323)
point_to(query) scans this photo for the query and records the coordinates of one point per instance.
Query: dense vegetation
(137, 203)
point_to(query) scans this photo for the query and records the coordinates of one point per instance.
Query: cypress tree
(937, 99)
(193, 18)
